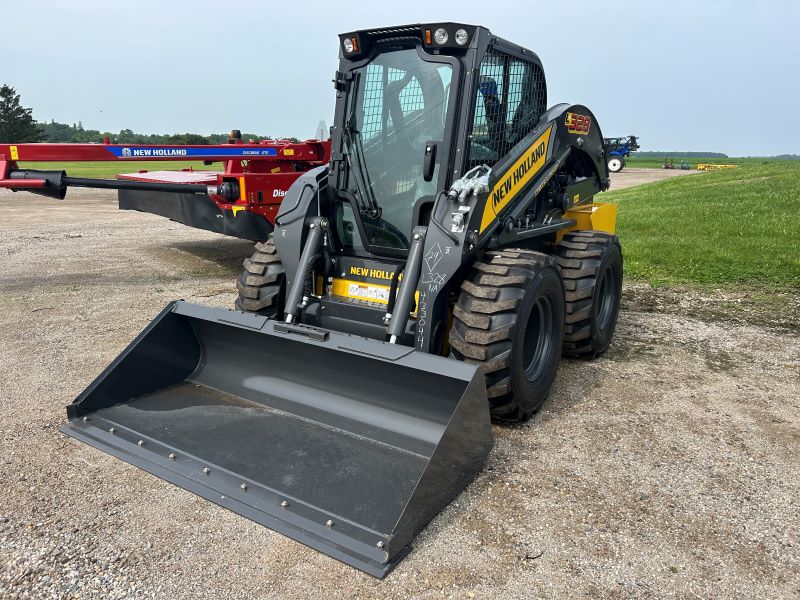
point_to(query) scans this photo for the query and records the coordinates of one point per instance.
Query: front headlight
(348, 45)
(461, 37)
(440, 36)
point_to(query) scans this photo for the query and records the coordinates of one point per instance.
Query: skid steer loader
(426, 280)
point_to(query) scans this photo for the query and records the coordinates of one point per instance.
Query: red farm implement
(241, 201)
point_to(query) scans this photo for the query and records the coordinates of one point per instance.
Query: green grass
(647, 162)
(737, 228)
(112, 168)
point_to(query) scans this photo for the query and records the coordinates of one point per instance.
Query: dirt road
(667, 468)
(630, 177)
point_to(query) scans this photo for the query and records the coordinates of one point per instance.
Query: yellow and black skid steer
(424, 282)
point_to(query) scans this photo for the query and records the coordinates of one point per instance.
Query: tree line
(656, 154)
(18, 125)
(76, 133)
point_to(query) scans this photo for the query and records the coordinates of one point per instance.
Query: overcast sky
(683, 75)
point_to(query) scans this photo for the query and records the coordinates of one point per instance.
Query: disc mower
(424, 281)
(240, 201)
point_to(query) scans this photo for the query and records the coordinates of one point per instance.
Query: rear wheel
(591, 267)
(509, 319)
(262, 284)
(615, 164)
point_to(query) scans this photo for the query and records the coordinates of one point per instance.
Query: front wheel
(615, 164)
(262, 284)
(509, 319)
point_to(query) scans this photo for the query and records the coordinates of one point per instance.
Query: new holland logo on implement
(516, 178)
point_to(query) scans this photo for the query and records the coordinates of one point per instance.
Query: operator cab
(411, 118)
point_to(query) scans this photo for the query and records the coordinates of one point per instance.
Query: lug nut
(243, 486)
(379, 544)
(329, 523)
(140, 443)
(172, 457)
(112, 430)
(284, 504)
(206, 470)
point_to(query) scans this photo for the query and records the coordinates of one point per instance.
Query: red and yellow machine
(240, 201)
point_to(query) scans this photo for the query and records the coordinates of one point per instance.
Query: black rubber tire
(615, 164)
(591, 268)
(262, 284)
(509, 319)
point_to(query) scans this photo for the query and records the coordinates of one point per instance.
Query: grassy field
(734, 228)
(112, 168)
(656, 163)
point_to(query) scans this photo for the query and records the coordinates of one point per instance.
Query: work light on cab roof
(435, 36)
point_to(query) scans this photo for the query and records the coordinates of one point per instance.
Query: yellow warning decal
(367, 292)
(360, 291)
(516, 178)
(236, 209)
(14, 153)
(288, 151)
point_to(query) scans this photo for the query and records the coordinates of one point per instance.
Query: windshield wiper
(364, 194)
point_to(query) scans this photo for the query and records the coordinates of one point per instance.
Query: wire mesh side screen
(510, 99)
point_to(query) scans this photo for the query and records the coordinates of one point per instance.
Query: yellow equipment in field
(713, 167)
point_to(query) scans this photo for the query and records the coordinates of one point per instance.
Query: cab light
(350, 45)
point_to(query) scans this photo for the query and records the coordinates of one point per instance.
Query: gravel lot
(630, 177)
(670, 467)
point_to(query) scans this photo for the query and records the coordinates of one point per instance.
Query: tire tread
(579, 254)
(483, 325)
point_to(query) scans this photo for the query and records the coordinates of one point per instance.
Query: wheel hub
(538, 342)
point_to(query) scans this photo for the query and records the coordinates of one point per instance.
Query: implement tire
(591, 268)
(616, 164)
(509, 319)
(262, 284)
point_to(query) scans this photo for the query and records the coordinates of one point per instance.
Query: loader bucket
(345, 444)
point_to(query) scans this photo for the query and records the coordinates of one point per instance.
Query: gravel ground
(667, 468)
